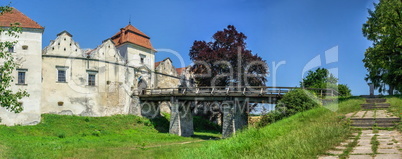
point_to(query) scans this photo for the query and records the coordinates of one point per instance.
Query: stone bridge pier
(181, 118)
(234, 117)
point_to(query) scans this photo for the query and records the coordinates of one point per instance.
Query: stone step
(378, 122)
(376, 104)
(370, 108)
(393, 119)
(376, 100)
(373, 125)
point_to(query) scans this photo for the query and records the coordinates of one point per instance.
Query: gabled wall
(111, 92)
(29, 59)
(166, 75)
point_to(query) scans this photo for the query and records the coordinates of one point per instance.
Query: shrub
(344, 90)
(270, 117)
(61, 135)
(295, 101)
(96, 133)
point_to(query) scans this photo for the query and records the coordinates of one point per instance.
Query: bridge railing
(223, 90)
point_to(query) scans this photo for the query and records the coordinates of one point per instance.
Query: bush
(270, 117)
(295, 101)
(344, 90)
(61, 135)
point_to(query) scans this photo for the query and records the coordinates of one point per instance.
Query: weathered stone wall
(113, 85)
(29, 60)
(181, 119)
(166, 76)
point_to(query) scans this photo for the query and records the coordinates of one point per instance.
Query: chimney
(122, 35)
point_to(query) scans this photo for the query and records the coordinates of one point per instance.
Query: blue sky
(293, 31)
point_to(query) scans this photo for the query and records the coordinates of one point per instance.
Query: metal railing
(222, 90)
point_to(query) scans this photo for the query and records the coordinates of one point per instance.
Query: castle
(66, 79)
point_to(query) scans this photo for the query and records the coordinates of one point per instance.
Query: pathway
(370, 143)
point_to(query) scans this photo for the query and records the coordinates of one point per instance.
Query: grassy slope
(304, 135)
(89, 137)
(396, 107)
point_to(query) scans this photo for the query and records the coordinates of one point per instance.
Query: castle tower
(136, 48)
(28, 56)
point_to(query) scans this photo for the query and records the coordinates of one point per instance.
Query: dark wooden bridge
(232, 101)
(257, 94)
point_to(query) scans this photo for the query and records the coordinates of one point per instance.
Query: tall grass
(118, 136)
(396, 107)
(304, 135)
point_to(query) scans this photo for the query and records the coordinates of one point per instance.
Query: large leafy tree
(226, 60)
(322, 78)
(383, 60)
(8, 98)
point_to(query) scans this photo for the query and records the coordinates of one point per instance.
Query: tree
(344, 90)
(320, 78)
(294, 101)
(225, 61)
(9, 99)
(383, 60)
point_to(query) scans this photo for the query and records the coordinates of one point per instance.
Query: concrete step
(371, 108)
(392, 119)
(376, 104)
(378, 122)
(376, 100)
(373, 125)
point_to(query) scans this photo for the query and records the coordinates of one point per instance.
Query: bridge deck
(252, 94)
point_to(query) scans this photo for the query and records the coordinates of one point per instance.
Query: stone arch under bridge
(234, 112)
(233, 103)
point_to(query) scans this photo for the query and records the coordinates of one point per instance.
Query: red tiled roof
(132, 35)
(180, 70)
(157, 63)
(15, 16)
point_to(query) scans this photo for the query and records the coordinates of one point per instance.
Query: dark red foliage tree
(226, 61)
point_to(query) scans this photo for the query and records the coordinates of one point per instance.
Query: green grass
(395, 108)
(350, 146)
(304, 135)
(120, 136)
(374, 144)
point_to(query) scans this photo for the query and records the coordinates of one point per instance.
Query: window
(11, 49)
(142, 57)
(91, 79)
(61, 73)
(21, 78)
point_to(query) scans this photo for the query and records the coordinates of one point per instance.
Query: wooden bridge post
(181, 118)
